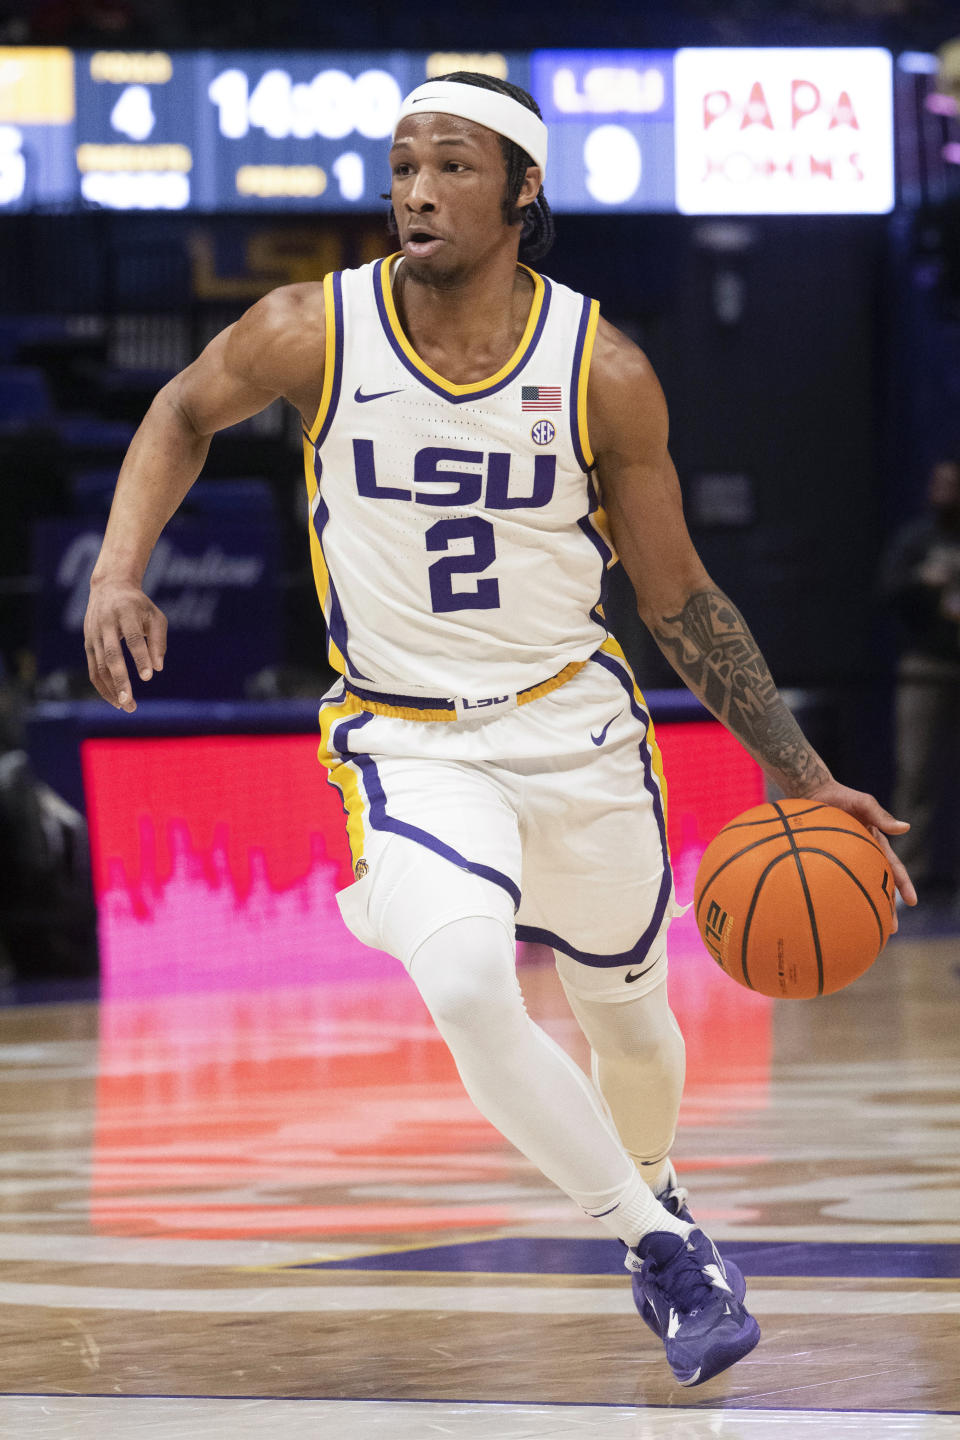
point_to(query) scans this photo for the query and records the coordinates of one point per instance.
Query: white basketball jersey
(457, 540)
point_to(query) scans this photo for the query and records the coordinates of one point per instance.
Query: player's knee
(466, 976)
(640, 1029)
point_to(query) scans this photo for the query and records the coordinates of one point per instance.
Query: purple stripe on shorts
(637, 953)
(380, 819)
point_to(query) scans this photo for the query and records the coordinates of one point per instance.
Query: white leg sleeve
(523, 1082)
(638, 1065)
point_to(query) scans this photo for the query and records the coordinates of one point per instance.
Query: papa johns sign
(789, 131)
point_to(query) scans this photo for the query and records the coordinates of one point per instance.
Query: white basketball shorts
(544, 810)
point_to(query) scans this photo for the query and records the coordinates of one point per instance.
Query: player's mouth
(422, 243)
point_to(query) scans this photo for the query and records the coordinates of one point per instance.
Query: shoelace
(681, 1281)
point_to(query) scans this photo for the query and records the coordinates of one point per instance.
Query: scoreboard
(137, 139)
(701, 131)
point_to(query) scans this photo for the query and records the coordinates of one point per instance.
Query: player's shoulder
(280, 340)
(303, 305)
(290, 306)
(284, 320)
(623, 392)
(619, 360)
(616, 359)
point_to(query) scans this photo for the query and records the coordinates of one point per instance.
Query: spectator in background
(922, 578)
(47, 915)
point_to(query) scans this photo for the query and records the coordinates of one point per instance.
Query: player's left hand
(879, 822)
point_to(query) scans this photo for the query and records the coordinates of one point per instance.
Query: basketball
(794, 899)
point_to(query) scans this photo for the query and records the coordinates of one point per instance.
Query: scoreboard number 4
(133, 113)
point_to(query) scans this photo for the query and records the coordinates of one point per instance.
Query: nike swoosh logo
(717, 1276)
(599, 739)
(630, 977)
(362, 399)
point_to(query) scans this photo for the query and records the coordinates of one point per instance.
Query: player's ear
(530, 189)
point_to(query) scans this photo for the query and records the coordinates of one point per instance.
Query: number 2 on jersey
(443, 597)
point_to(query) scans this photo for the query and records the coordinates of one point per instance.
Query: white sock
(638, 1212)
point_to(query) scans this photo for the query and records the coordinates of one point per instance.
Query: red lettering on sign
(757, 111)
(715, 104)
(804, 100)
(844, 113)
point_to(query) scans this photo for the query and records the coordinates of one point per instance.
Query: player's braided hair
(538, 232)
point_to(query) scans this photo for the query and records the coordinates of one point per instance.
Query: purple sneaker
(692, 1308)
(675, 1200)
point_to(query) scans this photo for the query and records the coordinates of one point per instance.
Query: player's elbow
(667, 595)
(171, 405)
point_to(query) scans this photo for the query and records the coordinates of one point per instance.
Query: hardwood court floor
(275, 1213)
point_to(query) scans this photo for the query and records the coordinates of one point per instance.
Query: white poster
(784, 132)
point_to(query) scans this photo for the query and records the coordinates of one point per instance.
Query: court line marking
(738, 1403)
(277, 1255)
(837, 1232)
(486, 1299)
(740, 1407)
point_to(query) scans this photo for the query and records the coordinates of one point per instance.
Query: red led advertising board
(217, 858)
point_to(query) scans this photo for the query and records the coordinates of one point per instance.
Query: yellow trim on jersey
(408, 712)
(610, 647)
(561, 678)
(601, 524)
(329, 357)
(321, 575)
(582, 379)
(536, 306)
(342, 774)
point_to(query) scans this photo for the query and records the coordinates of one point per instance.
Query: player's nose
(421, 195)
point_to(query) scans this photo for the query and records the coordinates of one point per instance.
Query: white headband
(485, 107)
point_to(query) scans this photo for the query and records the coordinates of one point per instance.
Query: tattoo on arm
(710, 646)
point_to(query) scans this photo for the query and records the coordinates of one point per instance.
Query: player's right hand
(118, 614)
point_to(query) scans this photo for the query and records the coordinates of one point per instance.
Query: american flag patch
(541, 397)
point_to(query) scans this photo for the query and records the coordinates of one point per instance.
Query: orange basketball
(794, 899)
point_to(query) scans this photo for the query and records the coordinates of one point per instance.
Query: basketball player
(478, 445)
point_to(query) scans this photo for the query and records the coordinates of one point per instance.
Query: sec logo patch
(543, 432)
